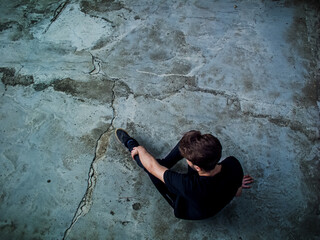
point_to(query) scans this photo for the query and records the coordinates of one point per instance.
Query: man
(207, 187)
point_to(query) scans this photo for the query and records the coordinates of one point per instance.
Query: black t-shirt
(199, 197)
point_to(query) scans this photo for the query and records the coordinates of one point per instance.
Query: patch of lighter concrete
(75, 27)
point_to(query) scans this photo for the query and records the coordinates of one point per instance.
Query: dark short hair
(202, 150)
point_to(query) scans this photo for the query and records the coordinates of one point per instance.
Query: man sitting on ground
(207, 187)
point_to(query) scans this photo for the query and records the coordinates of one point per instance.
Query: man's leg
(169, 161)
(172, 158)
(130, 143)
(161, 187)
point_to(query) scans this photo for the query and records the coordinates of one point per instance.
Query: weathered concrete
(73, 71)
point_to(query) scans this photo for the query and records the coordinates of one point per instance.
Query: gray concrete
(73, 71)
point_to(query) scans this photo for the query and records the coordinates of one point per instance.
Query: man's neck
(211, 173)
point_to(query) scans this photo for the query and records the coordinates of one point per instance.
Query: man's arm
(149, 162)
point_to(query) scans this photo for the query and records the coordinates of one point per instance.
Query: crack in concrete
(163, 75)
(103, 18)
(97, 68)
(312, 133)
(57, 13)
(96, 62)
(101, 148)
(215, 92)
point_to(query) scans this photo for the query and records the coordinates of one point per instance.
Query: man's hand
(137, 150)
(247, 179)
(149, 162)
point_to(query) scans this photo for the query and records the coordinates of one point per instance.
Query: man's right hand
(247, 179)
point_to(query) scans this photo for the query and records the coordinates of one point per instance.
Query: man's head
(203, 151)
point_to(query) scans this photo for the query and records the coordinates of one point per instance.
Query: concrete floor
(73, 71)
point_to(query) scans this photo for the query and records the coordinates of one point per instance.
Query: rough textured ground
(73, 71)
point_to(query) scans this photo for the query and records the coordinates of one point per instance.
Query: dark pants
(169, 161)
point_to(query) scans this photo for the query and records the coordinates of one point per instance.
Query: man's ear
(197, 168)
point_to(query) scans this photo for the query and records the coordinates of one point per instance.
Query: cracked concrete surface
(73, 71)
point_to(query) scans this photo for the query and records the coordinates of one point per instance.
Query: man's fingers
(247, 182)
(134, 152)
(247, 179)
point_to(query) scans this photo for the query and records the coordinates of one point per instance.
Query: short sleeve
(177, 183)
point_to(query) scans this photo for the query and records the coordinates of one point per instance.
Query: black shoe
(122, 136)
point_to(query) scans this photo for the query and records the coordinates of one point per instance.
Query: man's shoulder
(231, 163)
(229, 160)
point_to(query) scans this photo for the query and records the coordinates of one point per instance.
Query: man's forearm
(149, 162)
